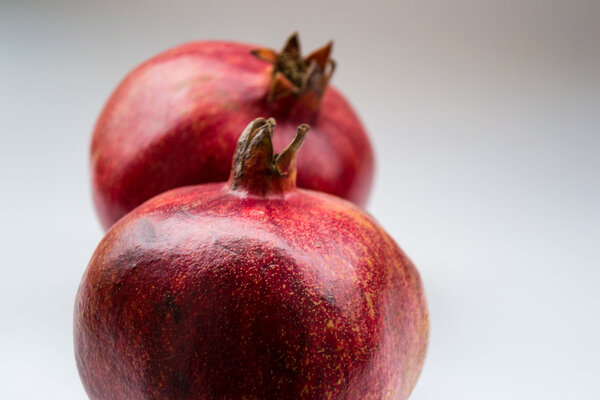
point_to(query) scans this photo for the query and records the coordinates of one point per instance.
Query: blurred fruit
(175, 119)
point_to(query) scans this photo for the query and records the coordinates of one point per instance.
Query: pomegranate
(251, 289)
(175, 120)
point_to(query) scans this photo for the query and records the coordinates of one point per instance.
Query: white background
(486, 121)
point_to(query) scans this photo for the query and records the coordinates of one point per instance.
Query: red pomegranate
(251, 289)
(175, 120)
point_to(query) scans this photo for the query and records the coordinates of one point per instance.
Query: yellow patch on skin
(330, 324)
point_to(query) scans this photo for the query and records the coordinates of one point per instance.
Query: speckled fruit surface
(251, 289)
(175, 120)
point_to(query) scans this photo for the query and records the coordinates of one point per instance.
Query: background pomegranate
(175, 119)
(251, 289)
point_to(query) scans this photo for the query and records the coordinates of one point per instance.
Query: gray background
(486, 121)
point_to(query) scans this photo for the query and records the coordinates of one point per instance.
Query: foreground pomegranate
(250, 290)
(175, 120)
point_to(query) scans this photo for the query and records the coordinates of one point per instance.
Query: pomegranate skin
(251, 289)
(203, 294)
(175, 119)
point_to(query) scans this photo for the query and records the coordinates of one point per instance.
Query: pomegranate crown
(294, 75)
(256, 169)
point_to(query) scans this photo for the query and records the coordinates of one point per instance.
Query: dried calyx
(256, 169)
(294, 75)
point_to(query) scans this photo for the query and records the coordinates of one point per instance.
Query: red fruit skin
(202, 293)
(175, 120)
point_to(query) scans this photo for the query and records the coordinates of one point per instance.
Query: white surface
(486, 121)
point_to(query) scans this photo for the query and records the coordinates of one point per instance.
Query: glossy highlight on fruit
(175, 119)
(250, 289)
